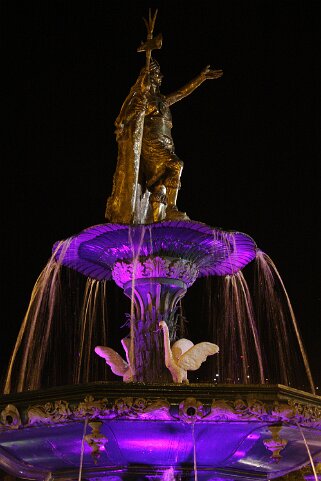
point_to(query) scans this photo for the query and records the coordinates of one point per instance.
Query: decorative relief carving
(305, 413)
(284, 412)
(237, 410)
(288, 411)
(166, 267)
(275, 444)
(92, 408)
(49, 413)
(189, 410)
(10, 417)
(141, 408)
(96, 440)
(156, 267)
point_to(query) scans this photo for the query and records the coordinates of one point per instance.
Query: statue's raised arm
(206, 74)
(148, 172)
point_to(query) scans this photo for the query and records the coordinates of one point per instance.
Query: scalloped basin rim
(94, 251)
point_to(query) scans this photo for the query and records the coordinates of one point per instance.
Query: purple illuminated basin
(214, 252)
(241, 432)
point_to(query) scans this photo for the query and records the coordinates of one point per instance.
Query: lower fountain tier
(135, 431)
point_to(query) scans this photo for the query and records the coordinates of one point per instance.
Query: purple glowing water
(214, 252)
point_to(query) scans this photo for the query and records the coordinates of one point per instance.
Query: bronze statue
(147, 177)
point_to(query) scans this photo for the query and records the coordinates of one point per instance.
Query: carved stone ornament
(290, 412)
(95, 440)
(151, 267)
(142, 408)
(49, 413)
(190, 410)
(275, 444)
(10, 417)
(92, 408)
(60, 412)
(237, 410)
(306, 413)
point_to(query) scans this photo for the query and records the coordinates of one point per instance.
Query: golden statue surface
(147, 177)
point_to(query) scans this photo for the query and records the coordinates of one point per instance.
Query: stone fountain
(156, 425)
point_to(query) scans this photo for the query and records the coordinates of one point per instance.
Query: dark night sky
(248, 140)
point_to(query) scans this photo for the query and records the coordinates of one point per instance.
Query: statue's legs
(162, 167)
(158, 202)
(172, 212)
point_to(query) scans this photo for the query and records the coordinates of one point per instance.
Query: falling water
(43, 293)
(95, 291)
(136, 249)
(256, 331)
(194, 452)
(250, 315)
(82, 449)
(168, 475)
(274, 302)
(254, 325)
(231, 325)
(60, 328)
(308, 451)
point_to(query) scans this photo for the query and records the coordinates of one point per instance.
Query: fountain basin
(134, 430)
(95, 250)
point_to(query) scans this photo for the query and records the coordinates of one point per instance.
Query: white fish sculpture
(184, 356)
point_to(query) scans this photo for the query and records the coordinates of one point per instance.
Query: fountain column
(155, 285)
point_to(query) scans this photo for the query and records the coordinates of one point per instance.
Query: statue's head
(154, 66)
(155, 72)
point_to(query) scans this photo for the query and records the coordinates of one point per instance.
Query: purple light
(239, 454)
(94, 251)
(160, 444)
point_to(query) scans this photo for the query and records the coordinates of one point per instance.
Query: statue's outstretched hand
(208, 73)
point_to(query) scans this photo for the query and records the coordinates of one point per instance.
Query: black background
(248, 140)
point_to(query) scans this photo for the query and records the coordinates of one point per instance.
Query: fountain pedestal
(155, 285)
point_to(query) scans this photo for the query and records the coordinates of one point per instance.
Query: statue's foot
(172, 213)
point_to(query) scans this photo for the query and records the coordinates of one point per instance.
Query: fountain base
(142, 430)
